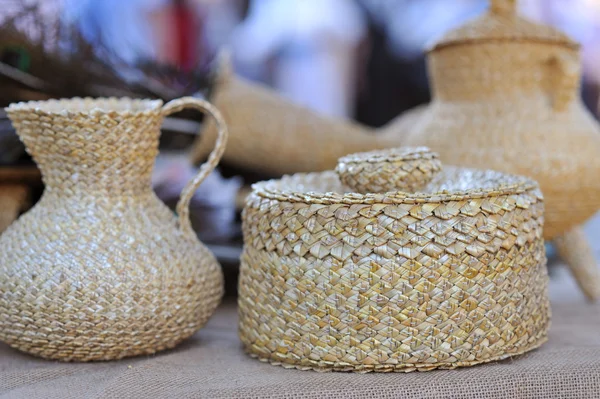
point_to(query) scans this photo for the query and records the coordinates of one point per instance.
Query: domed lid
(395, 176)
(397, 169)
(502, 23)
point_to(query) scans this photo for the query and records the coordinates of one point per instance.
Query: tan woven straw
(272, 135)
(404, 169)
(450, 276)
(501, 25)
(505, 97)
(100, 268)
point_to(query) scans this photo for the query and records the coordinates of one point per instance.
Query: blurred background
(355, 59)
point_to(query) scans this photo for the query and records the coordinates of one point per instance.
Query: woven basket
(451, 276)
(505, 97)
(100, 268)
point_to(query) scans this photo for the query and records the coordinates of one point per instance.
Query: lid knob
(504, 7)
(406, 169)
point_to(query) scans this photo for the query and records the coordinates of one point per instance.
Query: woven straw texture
(472, 123)
(574, 250)
(512, 105)
(100, 268)
(258, 118)
(404, 169)
(212, 365)
(271, 135)
(505, 97)
(452, 276)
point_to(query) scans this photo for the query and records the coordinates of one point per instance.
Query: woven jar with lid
(344, 278)
(505, 97)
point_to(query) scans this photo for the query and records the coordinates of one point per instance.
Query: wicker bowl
(451, 276)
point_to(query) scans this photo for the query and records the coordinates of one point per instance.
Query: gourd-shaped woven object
(100, 268)
(505, 97)
(335, 279)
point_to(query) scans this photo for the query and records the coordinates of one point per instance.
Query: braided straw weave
(405, 169)
(100, 268)
(505, 97)
(451, 276)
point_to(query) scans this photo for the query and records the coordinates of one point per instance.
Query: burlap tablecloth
(213, 365)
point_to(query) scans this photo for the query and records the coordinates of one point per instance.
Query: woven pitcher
(100, 268)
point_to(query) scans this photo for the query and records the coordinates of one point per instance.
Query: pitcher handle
(183, 206)
(564, 80)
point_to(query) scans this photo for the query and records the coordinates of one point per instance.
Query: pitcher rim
(123, 106)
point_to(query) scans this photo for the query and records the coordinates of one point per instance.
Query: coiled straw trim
(84, 106)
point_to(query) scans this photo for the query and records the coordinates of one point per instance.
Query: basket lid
(405, 175)
(501, 22)
(406, 169)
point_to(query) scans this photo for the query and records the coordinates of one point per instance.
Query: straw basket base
(325, 366)
(97, 353)
(574, 249)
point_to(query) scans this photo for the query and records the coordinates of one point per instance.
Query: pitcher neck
(105, 177)
(499, 71)
(116, 161)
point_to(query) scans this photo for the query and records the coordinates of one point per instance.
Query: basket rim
(263, 189)
(94, 106)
